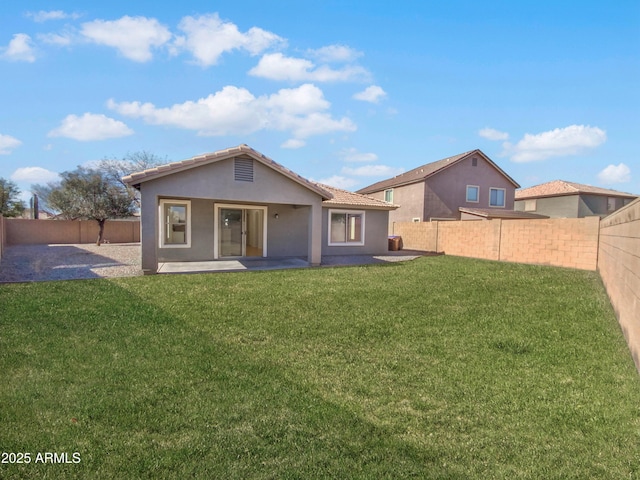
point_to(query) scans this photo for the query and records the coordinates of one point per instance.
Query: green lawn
(438, 368)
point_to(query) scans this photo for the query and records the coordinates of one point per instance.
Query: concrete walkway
(283, 263)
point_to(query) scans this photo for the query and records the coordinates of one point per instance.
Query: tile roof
(136, 178)
(489, 213)
(344, 198)
(557, 188)
(423, 172)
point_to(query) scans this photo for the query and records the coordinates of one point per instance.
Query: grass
(438, 368)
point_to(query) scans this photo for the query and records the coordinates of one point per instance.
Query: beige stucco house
(238, 203)
(562, 199)
(437, 190)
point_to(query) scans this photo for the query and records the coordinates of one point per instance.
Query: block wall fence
(562, 242)
(19, 231)
(619, 267)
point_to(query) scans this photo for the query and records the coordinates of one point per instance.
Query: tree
(89, 194)
(10, 204)
(114, 169)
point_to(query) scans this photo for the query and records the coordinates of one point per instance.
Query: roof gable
(423, 172)
(136, 178)
(557, 188)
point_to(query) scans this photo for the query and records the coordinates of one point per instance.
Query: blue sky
(343, 92)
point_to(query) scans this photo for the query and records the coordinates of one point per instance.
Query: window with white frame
(473, 193)
(611, 204)
(530, 205)
(175, 224)
(496, 197)
(346, 227)
(388, 195)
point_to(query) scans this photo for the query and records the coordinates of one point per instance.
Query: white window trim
(466, 193)
(345, 244)
(390, 190)
(163, 227)
(529, 203)
(504, 197)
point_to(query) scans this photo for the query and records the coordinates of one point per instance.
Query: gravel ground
(31, 263)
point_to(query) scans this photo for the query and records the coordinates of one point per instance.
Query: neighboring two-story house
(438, 190)
(560, 199)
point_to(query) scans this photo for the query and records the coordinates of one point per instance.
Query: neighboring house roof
(558, 188)
(490, 213)
(343, 198)
(135, 179)
(423, 172)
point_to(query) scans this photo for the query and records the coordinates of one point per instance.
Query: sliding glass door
(241, 231)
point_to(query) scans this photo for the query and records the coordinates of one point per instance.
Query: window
(388, 195)
(496, 197)
(175, 224)
(474, 162)
(346, 227)
(530, 205)
(611, 204)
(415, 219)
(473, 193)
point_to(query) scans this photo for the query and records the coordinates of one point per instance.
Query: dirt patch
(34, 263)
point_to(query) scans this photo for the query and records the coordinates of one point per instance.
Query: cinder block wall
(475, 239)
(562, 242)
(28, 232)
(619, 267)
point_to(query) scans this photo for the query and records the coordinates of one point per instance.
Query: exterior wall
(411, 197)
(375, 233)
(20, 231)
(619, 267)
(574, 206)
(569, 243)
(446, 191)
(553, 207)
(215, 183)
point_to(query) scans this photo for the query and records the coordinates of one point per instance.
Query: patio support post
(315, 234)
(149, 235)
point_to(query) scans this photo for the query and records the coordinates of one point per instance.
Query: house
(437, 190)
(239, 203)
(561, 199)
(493, 213)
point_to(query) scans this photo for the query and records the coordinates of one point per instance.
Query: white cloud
(59, 39)
(293, 143)
(8, 143)
(372, 94)
(89, 127)
(559, 142)
(334, 53)
(208, 37)
(373, 171)
(615, 174)
(34, 175)
(493, 134)
(44, 16)
(275, 66)
(133, 37)
(353, 155)
(339, 181)
(20, 49)
(235, 111)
